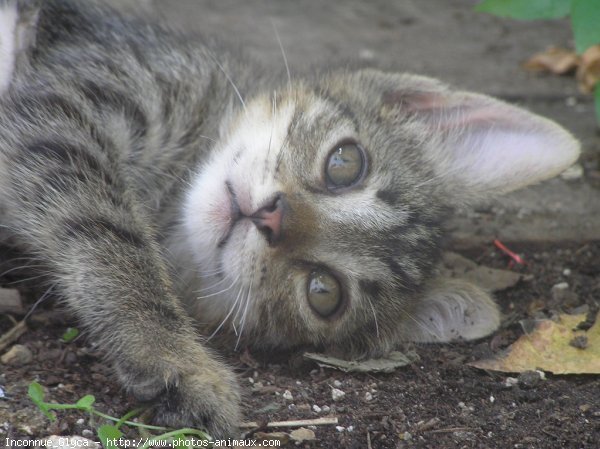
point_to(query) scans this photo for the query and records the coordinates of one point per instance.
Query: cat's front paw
(204, 395)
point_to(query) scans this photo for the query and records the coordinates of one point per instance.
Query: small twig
(12, 335)
(369, 440)
(298, 423)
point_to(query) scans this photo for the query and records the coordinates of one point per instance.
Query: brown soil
(438, 402)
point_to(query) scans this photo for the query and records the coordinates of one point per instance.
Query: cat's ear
(18, 24)
(451, 310)
(477, 145)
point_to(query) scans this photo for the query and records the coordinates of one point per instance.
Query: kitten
(159, 179)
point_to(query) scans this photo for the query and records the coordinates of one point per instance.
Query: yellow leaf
(554, 346)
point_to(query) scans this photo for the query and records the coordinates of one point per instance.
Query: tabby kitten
(275, 213)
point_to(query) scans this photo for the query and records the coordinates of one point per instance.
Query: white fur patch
(8, 25)
(455, 310)
(244, 161)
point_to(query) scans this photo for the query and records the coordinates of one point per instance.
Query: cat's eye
(324, 293)
(345, 165)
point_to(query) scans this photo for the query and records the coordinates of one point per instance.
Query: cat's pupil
(345, 165)
(324, 293)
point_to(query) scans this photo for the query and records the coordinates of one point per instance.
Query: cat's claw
(205, 397)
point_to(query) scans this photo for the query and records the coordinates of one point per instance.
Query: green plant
(107, 433)
(70, 334)
(585, 21)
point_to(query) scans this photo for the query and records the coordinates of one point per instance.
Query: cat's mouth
(235, 213)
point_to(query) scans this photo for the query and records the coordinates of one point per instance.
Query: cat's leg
(451, 310)
(67, 201)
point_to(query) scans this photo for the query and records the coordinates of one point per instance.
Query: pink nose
(268, 219)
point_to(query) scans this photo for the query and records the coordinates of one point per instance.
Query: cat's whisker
(41, 299)
(244, 315)
(208, 138)
(239, 307)
(21, 267)
(374, 316)
(280, 153)
(209, 273)
(219, 292)
(235, 88)
(285, 61)
(40, 276)
(214, 271)
(210, 287)
(231, 309)
(273, 120)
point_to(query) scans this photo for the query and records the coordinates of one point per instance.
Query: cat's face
(317, 218)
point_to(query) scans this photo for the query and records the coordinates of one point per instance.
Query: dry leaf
(386, 364)
(553, 60)
(456, 266)
(549, 347)
(588, 73)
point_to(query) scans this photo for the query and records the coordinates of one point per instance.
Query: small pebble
(87, 433)
(560, 286)
(251, 380)
(567, 272)
(17, 355)
(368, 396)
(337, 383)
(287, 395)
(529, 379)
(340, 428)
(350, 428)
(560, 293)
(492, 399)
(80, 422)
(316, 408)
(511, 381)
(326, 409)
(337, 394)
(70, 358)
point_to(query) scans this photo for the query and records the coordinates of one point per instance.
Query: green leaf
(585, 18)
(70, 334)
(107, 433)
(526, 9)
(597, 102)
(36, 394)
(85, 403)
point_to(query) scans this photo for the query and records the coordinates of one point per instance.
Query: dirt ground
(439, 401)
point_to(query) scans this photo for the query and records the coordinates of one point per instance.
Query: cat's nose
(268, 219)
